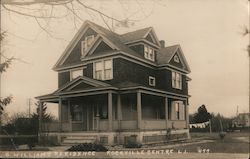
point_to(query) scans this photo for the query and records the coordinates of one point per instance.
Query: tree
(43, 12)
(4, 101)
(45, 116)
(202, 115)
(219, 119)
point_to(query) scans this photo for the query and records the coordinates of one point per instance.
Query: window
(176, 59)
(86, 43)
(178, 110)
(76, 112)
(176, 80)
(149, 53)
(75, 73)
(103, 70)
(151, 81)
(103, 112)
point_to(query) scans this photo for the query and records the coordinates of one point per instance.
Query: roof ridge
(172, 45)
(135, 31)
(92, 23)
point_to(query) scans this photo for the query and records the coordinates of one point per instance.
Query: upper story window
(86, 43)
(176, 80)
(151, 81)
(149, 53)
(75, 73)
(103, 70)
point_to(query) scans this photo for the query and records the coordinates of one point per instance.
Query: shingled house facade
(118, 87)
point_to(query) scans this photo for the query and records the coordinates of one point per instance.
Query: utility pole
(29, 104)
(248, 49)
(210, 126)
(237, 111)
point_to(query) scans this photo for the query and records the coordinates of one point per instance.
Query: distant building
(242, 120)
(118, 87)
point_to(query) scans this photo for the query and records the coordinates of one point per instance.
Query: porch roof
(83, 86)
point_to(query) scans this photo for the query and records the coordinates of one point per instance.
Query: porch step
(72, 140)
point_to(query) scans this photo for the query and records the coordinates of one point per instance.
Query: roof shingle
(165, 54)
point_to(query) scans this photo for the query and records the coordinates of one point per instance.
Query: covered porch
(111, 110)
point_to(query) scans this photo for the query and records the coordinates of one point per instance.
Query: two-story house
(118, 87)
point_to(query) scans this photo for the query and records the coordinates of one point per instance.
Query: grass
(230, 144)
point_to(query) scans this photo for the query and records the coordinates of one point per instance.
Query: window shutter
(182, 111)
(173, 111)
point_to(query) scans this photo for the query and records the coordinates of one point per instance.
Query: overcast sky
(208, 32)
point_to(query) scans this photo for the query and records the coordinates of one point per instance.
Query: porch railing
(55, 127)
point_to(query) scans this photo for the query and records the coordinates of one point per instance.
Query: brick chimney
(162, 42)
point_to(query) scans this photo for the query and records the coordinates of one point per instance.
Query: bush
(132, 144)
(222, 135)
(88, 147)
(49, 140)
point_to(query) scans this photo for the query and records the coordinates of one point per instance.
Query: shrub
(222, 135)
(88, 147)
(132, 144)
(49, 140)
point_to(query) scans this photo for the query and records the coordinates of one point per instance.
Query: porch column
(97, 118)
(187, 113)
(110, 118)
(166, 111)
(60, 114)
(119, 107)
(69, 116)
(40, 120)
(139, 110)
(119, 110)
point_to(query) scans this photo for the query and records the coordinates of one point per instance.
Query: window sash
(98, 75)
(107, 64)
(107, 74)
(75, 73)
(98, 66)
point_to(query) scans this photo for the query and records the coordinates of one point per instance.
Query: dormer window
(149, 53)
(86, 44)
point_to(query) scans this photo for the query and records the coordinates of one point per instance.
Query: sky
(209, 33)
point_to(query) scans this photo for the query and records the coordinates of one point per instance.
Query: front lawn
(232, 143)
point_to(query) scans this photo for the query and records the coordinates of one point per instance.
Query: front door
(83, 117)
(91, 117)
